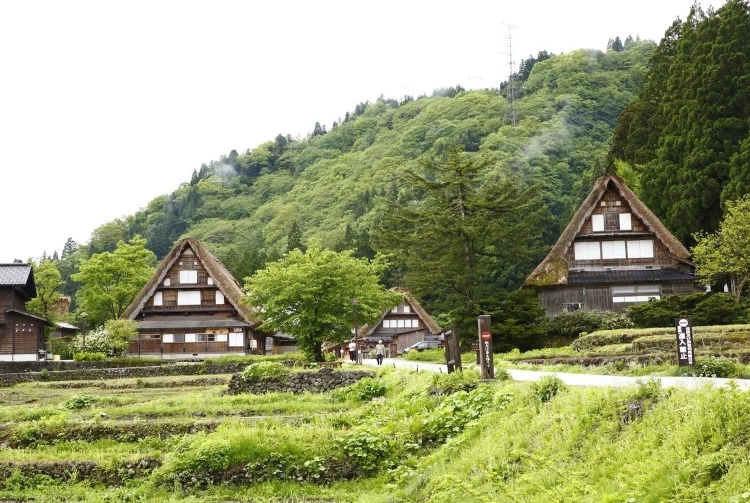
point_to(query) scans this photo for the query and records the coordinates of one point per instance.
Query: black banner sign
(685, 353)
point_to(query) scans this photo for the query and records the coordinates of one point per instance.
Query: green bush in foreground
(89, 357)
(265, 370)
(445, 384)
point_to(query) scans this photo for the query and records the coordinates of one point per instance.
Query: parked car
(422, 345)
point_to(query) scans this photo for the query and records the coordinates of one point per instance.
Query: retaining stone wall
(324, 379)
(122, 373)
(51, 365)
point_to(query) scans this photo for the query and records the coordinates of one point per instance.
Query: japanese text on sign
(685, 353)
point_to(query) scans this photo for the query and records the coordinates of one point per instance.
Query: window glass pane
(625, 223)
(597, 222)
(189, 337)
(587, 250)
(647, 248)
(168, 338)
(188, 298)
(221, 337)
(634, 249)
(648, 288)
(407, 309)
(219, 297)
(620, 290)
(188, 277)
(158, 299)
(235, 339)
(619, 249)
(613, 249)
(400, 323)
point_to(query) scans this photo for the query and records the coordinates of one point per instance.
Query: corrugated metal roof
(629, 276)
(14, 274)
(190, 324)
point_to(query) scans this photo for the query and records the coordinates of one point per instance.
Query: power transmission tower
(511, 94)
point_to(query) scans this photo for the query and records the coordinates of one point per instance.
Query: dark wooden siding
(597, 298)
(21, 335)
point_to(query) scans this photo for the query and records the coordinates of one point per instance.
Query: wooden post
(486, 361)
(452, 349)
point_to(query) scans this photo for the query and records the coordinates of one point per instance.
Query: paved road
(578, 379)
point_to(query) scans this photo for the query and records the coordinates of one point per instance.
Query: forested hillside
(685, 137)
(247, 206)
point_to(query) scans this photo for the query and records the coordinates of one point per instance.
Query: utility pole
(511, 92)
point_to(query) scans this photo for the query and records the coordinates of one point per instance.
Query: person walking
(353, 351)
(379, 352)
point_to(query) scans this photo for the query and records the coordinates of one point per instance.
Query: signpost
(486, 362)
(685, 353)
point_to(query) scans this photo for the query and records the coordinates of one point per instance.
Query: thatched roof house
(192, 306)
(402, 326)
(614, 253)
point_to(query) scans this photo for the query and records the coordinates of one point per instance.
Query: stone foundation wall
(319, 381)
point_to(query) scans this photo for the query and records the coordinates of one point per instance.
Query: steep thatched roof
(415, 306)
(223, 280)
(553, 270)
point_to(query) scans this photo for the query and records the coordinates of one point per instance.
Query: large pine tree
(467, 237)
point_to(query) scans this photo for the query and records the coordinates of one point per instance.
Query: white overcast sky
(105, 105)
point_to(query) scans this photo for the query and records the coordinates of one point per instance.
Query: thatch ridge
(553, 270)
(223, 280)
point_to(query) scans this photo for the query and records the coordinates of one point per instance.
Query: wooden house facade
(399, 327)
(21, 332)
(614, 253)
(191, 308)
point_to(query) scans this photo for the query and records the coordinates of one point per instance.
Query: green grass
(640, 443)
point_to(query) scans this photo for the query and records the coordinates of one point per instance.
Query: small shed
(21, 332)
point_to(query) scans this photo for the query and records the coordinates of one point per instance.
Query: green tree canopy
(110, 280)
(687, 128)
(310, 295)
(48, 282)
(466, 237)
(727, 251)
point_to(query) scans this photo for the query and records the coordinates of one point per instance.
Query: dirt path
(579, 379)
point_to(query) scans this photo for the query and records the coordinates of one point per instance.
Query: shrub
(89, 357)
(79, 402)
(428, 355)
(571, 325)
(719, 309)
(445, 384)
(614, 321)
(61, 347)
(366, 389)
(705, 309)
(368, 451)
(457, 410)
(547, 387)
(265, 370)
(711, 366)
